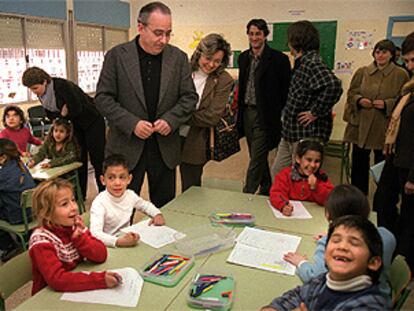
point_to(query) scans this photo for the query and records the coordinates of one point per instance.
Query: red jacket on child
(54, 253)
(292, 186)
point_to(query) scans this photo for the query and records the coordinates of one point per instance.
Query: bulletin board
(327, 32)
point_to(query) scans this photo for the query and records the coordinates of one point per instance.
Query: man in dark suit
(145, 91)
(264, 76)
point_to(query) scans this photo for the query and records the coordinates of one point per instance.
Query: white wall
(229, 17)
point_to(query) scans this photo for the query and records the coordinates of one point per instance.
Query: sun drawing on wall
(198, 35)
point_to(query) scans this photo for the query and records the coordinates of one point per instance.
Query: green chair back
(22, 231)
(223, 184)
(13, 275)
(400, 276)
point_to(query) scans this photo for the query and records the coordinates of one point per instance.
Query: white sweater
(109, 214)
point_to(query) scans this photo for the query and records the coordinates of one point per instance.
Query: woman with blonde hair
(213, 85)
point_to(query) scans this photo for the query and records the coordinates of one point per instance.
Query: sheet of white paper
(155, 236)
(299, 211)
(40, 175)
(264, 250)
(126, 295)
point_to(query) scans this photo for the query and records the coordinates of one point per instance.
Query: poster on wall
(89, 68)
(344, 67)
(12, 65)
(359, 39)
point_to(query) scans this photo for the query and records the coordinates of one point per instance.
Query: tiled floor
(233, 168)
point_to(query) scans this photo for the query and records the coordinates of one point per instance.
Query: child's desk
(54, 172)
(201, 201)
(71, 169)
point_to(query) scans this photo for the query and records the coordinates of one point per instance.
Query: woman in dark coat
(62, 98)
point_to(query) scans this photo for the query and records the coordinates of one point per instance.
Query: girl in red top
(303, 181)
(16, 131)
(62, 242)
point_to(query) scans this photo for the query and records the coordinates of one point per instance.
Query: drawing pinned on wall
(359, 39)
(198, 35)
(270, 35)
(344, 67)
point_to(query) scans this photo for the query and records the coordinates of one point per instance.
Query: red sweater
(21, 137)
(54, 253)
(284, 188)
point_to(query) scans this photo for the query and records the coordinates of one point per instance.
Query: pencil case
(167, 269)
(232, 219)
(213, 291)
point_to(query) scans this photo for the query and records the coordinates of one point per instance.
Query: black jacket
(272, 77)
(81, 108)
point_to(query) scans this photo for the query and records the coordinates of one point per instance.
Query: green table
(203, 201)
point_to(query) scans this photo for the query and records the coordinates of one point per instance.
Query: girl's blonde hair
(44, 198)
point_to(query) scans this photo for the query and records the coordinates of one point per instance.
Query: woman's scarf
(48, 99)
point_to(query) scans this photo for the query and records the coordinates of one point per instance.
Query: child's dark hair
(18, 111)
(369, 234)
(9, 149)
(115, 160)
(67, 125)
(347, 200)
(306, 145)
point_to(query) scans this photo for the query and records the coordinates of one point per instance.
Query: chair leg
(81, 203)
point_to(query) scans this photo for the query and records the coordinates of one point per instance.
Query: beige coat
(366, 127)
(213, 102)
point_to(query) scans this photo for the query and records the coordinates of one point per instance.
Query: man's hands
(145, 129)
(306, 117)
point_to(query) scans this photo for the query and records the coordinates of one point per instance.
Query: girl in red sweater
(16, 131)
(304, 181)
(62, 242)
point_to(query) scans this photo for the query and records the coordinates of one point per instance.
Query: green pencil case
(167, 269)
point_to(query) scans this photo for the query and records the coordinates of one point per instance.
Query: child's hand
(45, 165)
(312, 181)
(157, 220)
(26, 154)
(79, 227)
(294, 258)
(112, 279)
(268, 309)
(319, 236)
(128, 239)
(31, 163)
(287, 210)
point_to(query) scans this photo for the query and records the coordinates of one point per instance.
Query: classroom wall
(229, 17)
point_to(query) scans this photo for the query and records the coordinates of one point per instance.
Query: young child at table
(15, 129)
(14, 179)
(114, 208)
(62, 242)
(304, 181)
(353, 259)
(345, 200)
(59, 147)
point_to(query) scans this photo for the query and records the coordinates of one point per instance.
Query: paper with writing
(299, 211)
(154, 236)
(126, 294)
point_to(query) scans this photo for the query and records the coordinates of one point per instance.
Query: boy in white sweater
(113, 208)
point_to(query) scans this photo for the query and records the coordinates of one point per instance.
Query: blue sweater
(314, 295)
(308, 270)
(12, 183)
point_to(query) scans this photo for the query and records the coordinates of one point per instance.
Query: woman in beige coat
(213, 85)
(371, 99)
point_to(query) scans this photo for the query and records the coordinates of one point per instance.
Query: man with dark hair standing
(145, 91)
(313, 92)
(264, 76)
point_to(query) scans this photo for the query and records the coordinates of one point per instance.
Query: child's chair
(223, 184)
(13, 275)
(400, 276)
(22, 231)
